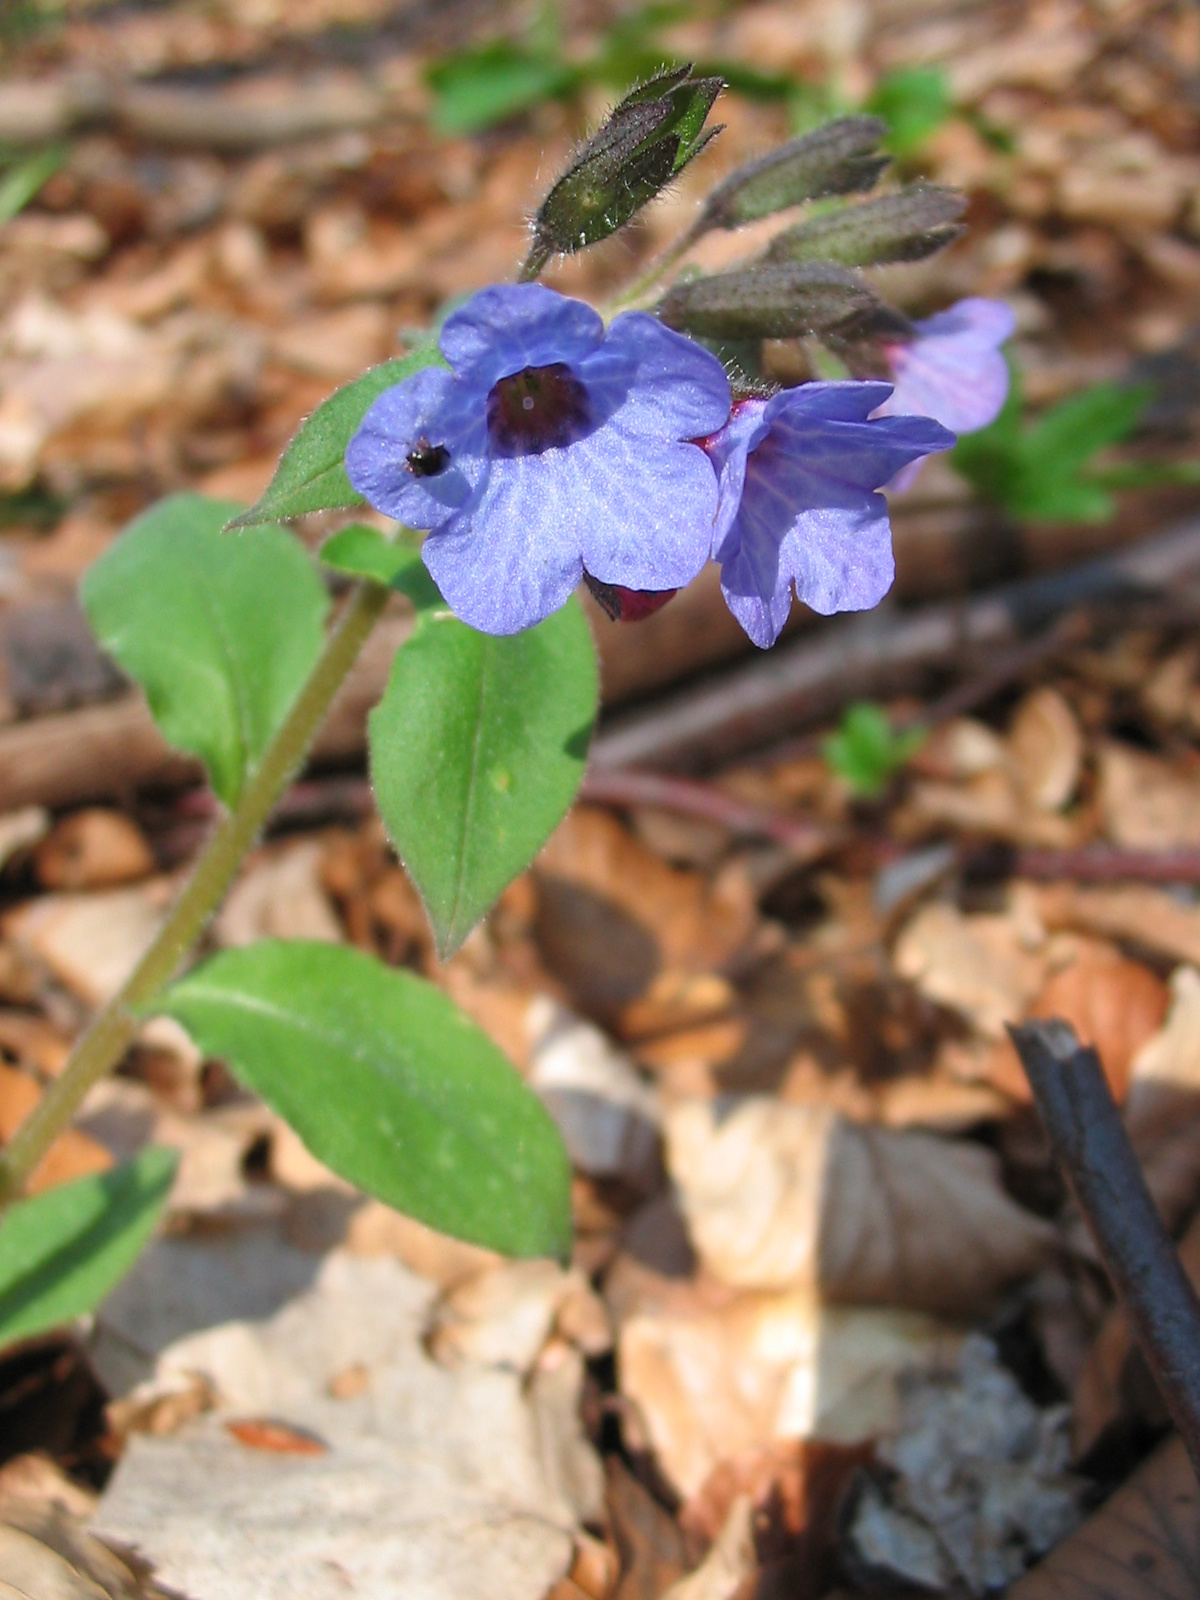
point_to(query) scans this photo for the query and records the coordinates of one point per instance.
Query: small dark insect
(426, 460)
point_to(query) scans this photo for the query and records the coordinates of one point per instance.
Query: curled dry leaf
(19, 830)
(1143, 1544)
(1114, 1004)
(1145, 804)
(608, 1116)
(790, 1196)
(650, 1545)
(612, 918)
(432, 1481)
(93, 849)
(503, 1317)
(1162, 1110)
(1045, 744)
(991, 802)
(728, 1564)
(986, 967)
(714, 1383)
(280, 895)
(90, 942)
(1151, 919)
(45, 1556)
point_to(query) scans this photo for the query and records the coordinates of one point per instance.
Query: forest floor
(833, 1324)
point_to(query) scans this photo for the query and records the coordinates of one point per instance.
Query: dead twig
(1101, 863)
(1090, 1141)
(705, 801)
(876, 653)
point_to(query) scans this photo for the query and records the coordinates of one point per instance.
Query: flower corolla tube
(551, 448)
(799, 502)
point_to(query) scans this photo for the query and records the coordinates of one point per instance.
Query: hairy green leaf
(311, 475)
(865, 751)
(914, 102)
(363, 552)
(220, 629)
(477, 749)
(63, 1250)
(390, 1085)
(1045, 471)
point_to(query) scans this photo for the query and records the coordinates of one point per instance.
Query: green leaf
(1079, 427)
(477, 749)
(479, 87)
(22, 183)
(914, 102)
(1042, 471)
(311, 475)
(363, 552)
(865, 751)
(220, 629)
(390, 1085)
(63, 1250)
(1146, 474)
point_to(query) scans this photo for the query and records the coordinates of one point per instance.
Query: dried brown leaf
(1112, 1003)
(986, 967)
(1146, 805)
(1143, 1544)
(1045, 745)
(93, 849)
(612, 918)
(714, 1383)
(788, 1196)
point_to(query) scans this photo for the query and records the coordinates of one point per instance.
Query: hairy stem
(660, 265)
(114, 1028)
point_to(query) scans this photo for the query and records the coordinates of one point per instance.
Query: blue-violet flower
(952, 371)
(551, 448)
(799, 475)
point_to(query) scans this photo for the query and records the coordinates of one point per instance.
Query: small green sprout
(866, 751)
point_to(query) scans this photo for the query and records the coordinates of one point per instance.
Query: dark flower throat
(537, 409)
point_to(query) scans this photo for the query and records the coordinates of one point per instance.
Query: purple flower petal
(660, 500)
(551, 446)
(953, 370)
(511, 557)
(510, 326)
(651, 380)
(429, 409)
(798, 502)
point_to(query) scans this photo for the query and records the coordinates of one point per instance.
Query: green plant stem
(533, 263)
(661, 265)
(114, 1028)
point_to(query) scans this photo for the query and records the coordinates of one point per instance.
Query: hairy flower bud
(649, 137)
(906, 226)
(774, 300)
(842, 157)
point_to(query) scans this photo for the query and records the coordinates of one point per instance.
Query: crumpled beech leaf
(906, 226)
(649, 137)
(774, 300)
(842, 157)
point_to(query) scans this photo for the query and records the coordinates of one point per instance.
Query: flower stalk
(114, 1028)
